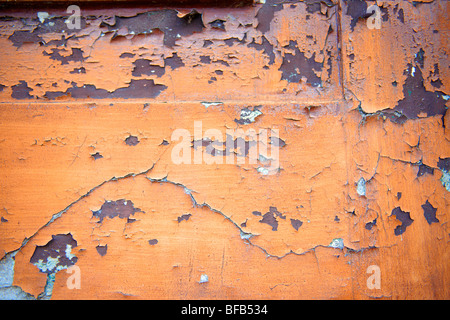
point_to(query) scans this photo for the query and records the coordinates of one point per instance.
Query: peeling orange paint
(355, 117)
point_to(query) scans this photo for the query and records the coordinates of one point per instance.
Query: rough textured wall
(315, 152)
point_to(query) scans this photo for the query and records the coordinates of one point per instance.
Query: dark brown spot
(429, 212)
(404, 218)
(184, 217)
(21, 91)
(144, 67)
(270, 219)
(296, 224)
(75, 56)
(102, 249)
(96, 156)
(55, 249)
(132, 140)
(295, 66)
(120, 208)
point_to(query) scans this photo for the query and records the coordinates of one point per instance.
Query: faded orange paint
(363, 151)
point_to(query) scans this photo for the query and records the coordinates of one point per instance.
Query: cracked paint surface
(363, 147)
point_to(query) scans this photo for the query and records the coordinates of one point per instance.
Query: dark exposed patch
(356, 9)
(313, 7)
(444, 164)
(244, 224)
(401, 16)
(184, 217)
(205, 59)
(21, 91)
(429, 212)
(144, 67)
(18, 38)
(86, 91)
(231, 41)
(96, 156)
(222, 62)
(166, 20)
(275, 211)
(2, 219)
(102, 249)
(75, 56)
(127, 55)
(394, 83)
(174, 62)
(78, 70)
(385, 13)
(121, 208)
(218, 72)
(419, 58)
(266, 14)
(207, 43)
(2, 87)
(152, 242)
(369, 225)
(218, 24)
(296, 224)
(256, 213)
(164, 143)
(436, 83)
(351, 56)
(330, 63)
(295, 66)
(55, 248)
(270, 219)
(404, 218)
(266, 47)
(145, 88)
(52, 95)
(132, 140)
(399, 195)
(417, 100)
(423, 169)
(336, 218)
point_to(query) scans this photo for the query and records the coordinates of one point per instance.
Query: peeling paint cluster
(364, 155)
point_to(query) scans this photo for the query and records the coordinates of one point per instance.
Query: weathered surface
(92, 124)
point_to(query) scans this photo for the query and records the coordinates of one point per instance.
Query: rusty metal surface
(281, 150)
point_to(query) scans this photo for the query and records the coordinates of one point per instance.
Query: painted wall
(282, 150)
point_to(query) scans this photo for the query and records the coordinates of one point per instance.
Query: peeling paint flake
(56, 254)
(121, 208)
